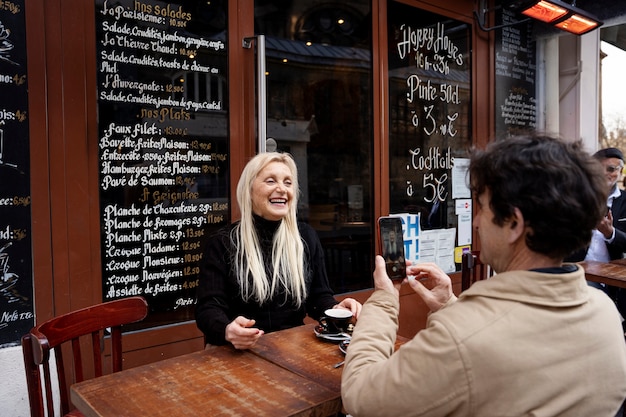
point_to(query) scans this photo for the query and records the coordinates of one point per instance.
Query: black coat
(618, 210)
(219, 300)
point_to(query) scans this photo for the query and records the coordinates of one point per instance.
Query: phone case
(392, 246)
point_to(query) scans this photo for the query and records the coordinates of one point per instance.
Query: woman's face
(272, 191)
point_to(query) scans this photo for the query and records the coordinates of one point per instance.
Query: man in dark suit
(609, 238)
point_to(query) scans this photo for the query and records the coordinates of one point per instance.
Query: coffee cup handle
(328, 325)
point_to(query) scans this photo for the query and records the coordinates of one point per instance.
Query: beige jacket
(519, 344)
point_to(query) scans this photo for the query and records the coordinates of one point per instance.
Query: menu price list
(163, 147)
(515, 68)
(16, 280)
(429, 88)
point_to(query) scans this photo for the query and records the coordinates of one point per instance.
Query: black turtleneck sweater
(219, 297)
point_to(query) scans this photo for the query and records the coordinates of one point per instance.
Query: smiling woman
(265, 272)
(272, 191)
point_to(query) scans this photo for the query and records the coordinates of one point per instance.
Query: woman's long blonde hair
(287, 247)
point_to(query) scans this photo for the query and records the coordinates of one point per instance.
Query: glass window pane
(430, 127)
(319, 100)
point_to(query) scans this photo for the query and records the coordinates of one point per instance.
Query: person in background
(609, 238)
(394, 248)
(265, 272)
(608, 241)
(533, 340)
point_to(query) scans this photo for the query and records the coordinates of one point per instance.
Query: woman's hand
(441, 284)
(350, 304)
(241, 334)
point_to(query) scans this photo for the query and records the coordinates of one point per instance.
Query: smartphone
(392, 246)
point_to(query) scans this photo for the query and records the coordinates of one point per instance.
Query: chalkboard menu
(163, 147)
(429, 112)
(516, 107)
(16, 280)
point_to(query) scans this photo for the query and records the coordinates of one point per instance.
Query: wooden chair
(472, 269)
(53, 335)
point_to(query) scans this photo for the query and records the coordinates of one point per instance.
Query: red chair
(472, 269)
(53, 334)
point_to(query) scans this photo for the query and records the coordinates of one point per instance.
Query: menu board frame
(163, 147)
(16, 271)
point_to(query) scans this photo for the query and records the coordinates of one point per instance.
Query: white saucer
(333, 337)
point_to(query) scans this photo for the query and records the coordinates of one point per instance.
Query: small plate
(333, 337)
(343, 346)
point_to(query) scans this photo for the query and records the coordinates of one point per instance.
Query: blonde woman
(265, 272)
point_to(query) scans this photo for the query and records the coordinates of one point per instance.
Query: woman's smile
(272, 191)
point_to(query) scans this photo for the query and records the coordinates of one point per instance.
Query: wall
(13, 393)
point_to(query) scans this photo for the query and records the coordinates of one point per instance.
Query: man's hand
(606, 225)
(241, 333)
(381, 279)
(439, 282)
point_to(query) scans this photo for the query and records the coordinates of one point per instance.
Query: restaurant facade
(124, 126)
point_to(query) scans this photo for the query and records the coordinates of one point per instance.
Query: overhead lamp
(553, 12)
(561, 15)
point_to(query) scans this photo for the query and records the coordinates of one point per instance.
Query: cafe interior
(124, 128)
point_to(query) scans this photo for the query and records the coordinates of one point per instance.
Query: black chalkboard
(16, 280)
(163, 147)
(429, 112)
(516, 107)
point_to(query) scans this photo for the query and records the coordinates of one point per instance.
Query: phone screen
(392, 246)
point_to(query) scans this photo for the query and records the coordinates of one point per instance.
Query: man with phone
(532, 340)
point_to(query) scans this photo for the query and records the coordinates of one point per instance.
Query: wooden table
(300, 351)
(610, 273)
(220, 381)
(287, 373)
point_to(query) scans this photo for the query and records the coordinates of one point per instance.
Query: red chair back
(64, 335)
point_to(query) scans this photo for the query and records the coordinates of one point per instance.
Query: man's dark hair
(559, 188)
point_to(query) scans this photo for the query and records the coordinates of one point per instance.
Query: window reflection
(199, 87)
(319, 102)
